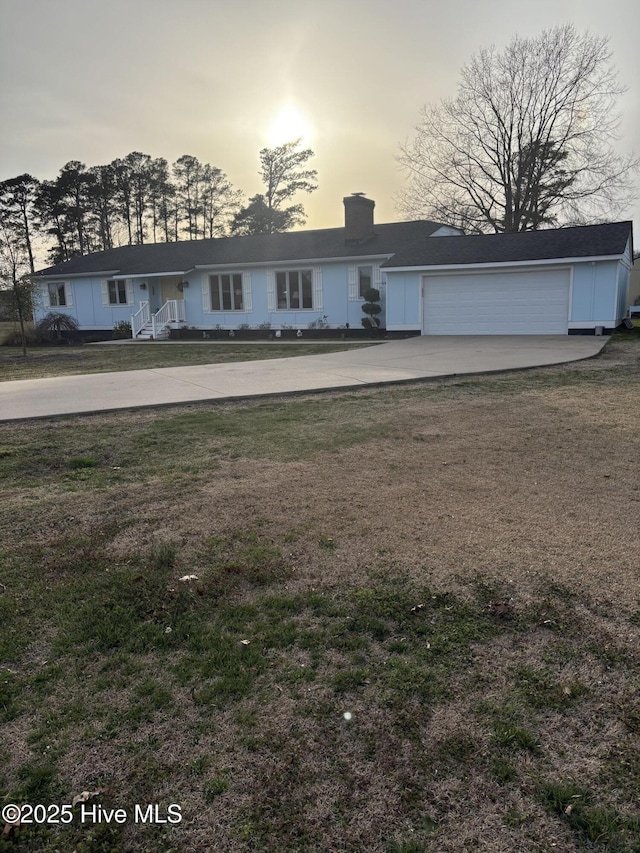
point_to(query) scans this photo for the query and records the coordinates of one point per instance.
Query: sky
(93, 80)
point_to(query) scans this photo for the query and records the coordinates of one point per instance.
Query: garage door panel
(534, 303)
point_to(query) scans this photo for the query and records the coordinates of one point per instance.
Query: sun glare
(288, 124)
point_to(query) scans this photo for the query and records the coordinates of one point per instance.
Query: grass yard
(390, 620)
(96, 358)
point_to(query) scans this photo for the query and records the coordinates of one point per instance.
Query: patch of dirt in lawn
(518, 489)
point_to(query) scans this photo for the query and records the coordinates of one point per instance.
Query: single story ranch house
(433, 280)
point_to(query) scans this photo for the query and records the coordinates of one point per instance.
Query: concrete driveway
(393, 361)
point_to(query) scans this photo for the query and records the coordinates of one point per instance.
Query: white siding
(271, 291)
(206, 295)
(353, 283)
(247, 297)
(317, 289)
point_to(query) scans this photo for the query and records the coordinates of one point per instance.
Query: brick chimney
(358, 218)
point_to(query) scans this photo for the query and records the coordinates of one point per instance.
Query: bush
(14, 339)
(121, 331)
(320, 323)
(53, 324)
(371, 308)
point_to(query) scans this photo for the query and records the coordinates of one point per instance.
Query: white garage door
(510, 303)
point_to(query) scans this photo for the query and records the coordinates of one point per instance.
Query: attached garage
(552, 282)
(534, 302)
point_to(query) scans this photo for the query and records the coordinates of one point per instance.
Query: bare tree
(14, 281)
(528, 141)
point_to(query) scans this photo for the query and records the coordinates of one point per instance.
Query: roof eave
(64, 275)
(290, 261)
(492, 264)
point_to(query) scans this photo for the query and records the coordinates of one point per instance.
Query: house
(554, 281)
(432, 279)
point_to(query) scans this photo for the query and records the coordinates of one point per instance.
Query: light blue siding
(594, 298)
(623, 293)
(594, 293)
(624, 282)
(336, 305)
(598, 297)
(403, 300)
(87, 307)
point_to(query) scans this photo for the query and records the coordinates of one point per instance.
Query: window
(117, 292)
(226, 292)
(57, 294)
(365, 280)
(294, 289)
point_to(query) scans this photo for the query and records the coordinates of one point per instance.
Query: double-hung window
(57, 294)
(294, 289)
(364, 277)
(117, 292)
(226, 292)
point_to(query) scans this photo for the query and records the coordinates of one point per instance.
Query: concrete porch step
(146, 334)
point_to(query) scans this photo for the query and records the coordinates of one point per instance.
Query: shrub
(14, 339)
(371, 308)
(121, 330)
(320, 323)
(53, 324)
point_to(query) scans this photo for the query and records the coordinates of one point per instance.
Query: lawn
(391, 620)
(96, 358)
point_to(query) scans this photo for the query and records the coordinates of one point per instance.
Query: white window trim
(354, 279)
(247, 295)
(104, 285)
(68, 294)
(316, 289)
(271, 291)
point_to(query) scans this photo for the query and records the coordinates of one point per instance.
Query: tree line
(138, 199)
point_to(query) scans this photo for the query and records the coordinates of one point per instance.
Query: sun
(289, 123)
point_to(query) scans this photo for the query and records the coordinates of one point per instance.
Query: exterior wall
(633, 297)
(598, 295)
(333, 302)
(87, 307)
(622, 307)
(594, 299)
(336, 309)
(404, 301)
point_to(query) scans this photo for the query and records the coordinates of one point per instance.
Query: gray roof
(183, 256)
(549, 244)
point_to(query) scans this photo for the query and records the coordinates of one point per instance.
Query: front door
(169, 288)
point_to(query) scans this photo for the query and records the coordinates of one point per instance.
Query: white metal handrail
(140, 318)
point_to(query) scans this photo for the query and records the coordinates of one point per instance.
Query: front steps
(146, 333)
